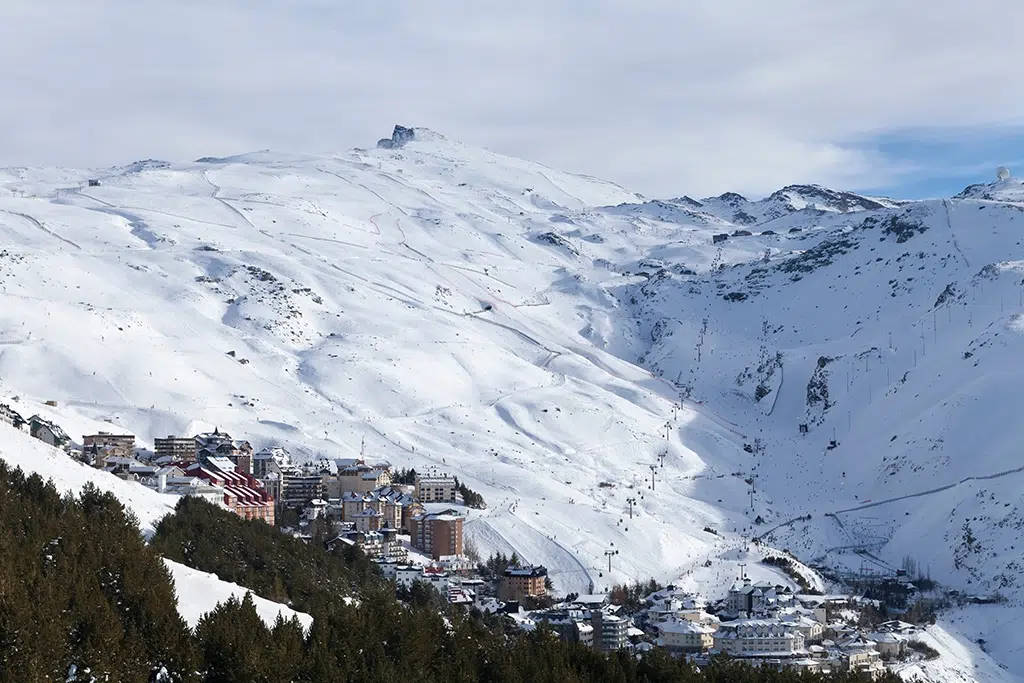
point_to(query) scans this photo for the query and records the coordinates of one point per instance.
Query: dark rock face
(822, 196)
(732, 198)
(399, 137)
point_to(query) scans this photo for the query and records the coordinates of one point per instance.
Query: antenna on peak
(1002, 173)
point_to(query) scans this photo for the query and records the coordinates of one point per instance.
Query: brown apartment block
(178, 448)
(116, 445)
(438, 534)
(523, 582)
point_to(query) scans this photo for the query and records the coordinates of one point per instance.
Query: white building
(889, 644)
(685, 636)
(758, 638)
(865, 660)
(610, 631)
(435, 487)
(406, 575)
(812, 629)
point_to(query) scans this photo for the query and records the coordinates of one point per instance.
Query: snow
(200, 593)
(999, 627)
(542, 336)
(18, 449)
(958, 661)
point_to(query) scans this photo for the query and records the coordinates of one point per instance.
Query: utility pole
(668, 430)
(743, 574)
(609, 554)
(654, 468)
(661, 458)
(632, 502)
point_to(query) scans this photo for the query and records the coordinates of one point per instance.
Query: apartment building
(438, 533)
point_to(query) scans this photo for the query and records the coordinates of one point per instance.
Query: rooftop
(526, 571)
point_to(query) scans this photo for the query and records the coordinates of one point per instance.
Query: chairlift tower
(610, 554)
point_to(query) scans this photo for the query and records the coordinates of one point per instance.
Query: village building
(96, 456)
(270, 460)
(746, 599)
(180, 449)
(457, 565)
(316, 509)
(48, 433)
(217, 444)
(11, 417)
(437, 533)
(243, 494)
(405, 575)
(410, 511)
(362, 478)
(367, 519)
(889, 644)
(519, 583)
(299, 486)
(812, 630)
(571, 625)
(434, 487)
(128, 469)
(591, 601)
(436, 577)
(863, 658)
(172, 479)
(390, 502)
(758, 638)
(611, 632)
(685, 636)
(117, 445)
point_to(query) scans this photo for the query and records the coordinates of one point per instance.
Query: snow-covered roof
(593, 599)
(683, 626)
(529, 571)
(224, 464)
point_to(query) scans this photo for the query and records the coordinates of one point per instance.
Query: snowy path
(929, 492)
(38, 224)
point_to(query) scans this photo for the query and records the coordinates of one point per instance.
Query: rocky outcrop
(399, 137)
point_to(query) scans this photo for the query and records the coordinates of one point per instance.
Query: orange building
(438, 533)
(523, 582)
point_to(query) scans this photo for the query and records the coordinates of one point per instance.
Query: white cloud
(663, 96)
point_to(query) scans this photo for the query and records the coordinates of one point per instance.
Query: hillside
(547, 337)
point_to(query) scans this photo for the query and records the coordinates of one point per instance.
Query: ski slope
(549, 337)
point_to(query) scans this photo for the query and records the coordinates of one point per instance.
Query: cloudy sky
(664, 96)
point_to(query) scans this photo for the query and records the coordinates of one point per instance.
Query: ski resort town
(411, 524)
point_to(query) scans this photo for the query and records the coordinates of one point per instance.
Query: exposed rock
(399, 137)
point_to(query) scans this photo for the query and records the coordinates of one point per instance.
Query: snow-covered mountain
(549, 337)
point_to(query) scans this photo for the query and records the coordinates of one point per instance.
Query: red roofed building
(243, 493)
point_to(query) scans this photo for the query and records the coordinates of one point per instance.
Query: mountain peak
(399, 137)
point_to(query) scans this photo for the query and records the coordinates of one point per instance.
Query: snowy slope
(18, 449)
(423, 298)
(547, 337)
(199, 593)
